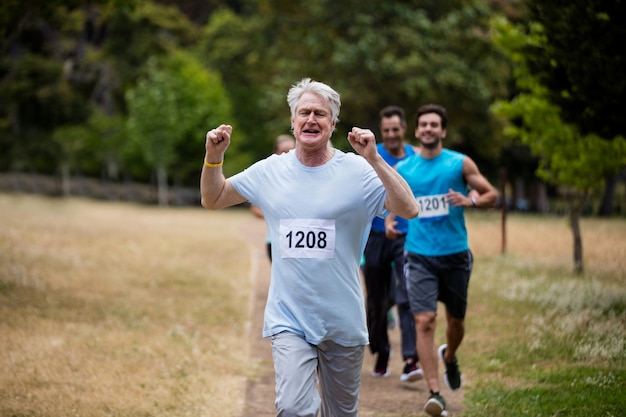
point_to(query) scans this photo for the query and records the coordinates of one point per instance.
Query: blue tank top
(378, 224)
(439, 229)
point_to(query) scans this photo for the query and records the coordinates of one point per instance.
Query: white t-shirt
(316, 218)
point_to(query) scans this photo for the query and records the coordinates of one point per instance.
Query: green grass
(564, 391)
(553, 343)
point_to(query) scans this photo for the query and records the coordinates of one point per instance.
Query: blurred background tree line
(123, 91)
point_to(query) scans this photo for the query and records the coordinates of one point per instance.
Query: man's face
(429, 131)
(312, 124)
(392, 130)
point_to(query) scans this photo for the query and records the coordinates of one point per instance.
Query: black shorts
(439, 278)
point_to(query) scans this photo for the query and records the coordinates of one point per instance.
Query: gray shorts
(296, 363)
(439, 278)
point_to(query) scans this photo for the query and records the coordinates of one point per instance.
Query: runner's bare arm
(216, 191)
(487, 194)
(399, 196)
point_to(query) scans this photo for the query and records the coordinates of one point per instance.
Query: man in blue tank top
(439, 261)
(383, 267)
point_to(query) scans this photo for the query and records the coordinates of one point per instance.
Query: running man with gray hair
(318, 203)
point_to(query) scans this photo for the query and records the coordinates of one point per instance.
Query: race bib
(433, 207)
(307, 238)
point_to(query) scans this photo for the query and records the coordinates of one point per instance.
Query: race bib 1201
(433, 207)
(307, 238)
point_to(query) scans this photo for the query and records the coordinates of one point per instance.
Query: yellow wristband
(210, 165)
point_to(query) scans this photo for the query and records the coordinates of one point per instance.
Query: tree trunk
(66, 182)
(110, 175)
(503, 178)
(162, 186)
(578, 243)
(606, 204)
(540, 197)
(578, 201)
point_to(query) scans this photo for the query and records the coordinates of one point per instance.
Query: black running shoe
(452, 375)
(436, 406)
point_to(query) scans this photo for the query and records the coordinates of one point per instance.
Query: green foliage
(17, 15)
(71, 58)
(37, 95)
(411, 54)
(373, 53)
(171, 108)
(107, 144)
(580, 60)
(567, 157)
(70, 141)
(44, 87)
(100, 143)
(11, 12)
(36, 99)
(153, 115)
(132, 33)
(233, 45)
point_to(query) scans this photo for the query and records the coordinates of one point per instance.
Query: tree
(581, 61)
(67, 63)
(569, 158)
(71, 140)
(38, 93)
(373, 53)
(172, 105)
(47, 81)
(234, 46)
(407, 53)
(64, 62)
(107, 145)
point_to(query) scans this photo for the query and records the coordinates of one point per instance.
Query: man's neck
(430, 153)
(398, 152)
(316, 158)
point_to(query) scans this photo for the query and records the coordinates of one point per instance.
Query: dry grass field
(115, 309)
(119, 309)
(547, 241)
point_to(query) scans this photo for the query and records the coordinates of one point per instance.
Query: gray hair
(306, 85)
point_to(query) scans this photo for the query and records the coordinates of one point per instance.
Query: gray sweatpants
(338, 368)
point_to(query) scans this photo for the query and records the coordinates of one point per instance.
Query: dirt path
(379, 397)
